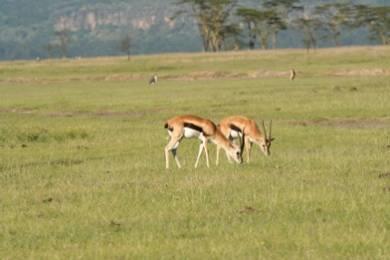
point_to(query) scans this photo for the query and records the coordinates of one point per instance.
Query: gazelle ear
(272, 139)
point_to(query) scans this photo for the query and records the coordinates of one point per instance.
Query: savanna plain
(82, 168)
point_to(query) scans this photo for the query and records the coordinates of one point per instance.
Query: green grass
(82, 169)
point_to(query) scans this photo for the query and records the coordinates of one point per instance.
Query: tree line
(225, 24)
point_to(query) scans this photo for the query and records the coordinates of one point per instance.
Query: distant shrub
(41, 135)
(33, 135)
(3, 135)
(71, 134)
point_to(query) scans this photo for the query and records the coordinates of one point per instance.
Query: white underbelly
(191, 133)
(235, 134)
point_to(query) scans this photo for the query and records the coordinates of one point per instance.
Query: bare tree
(63, 39)
(126, 44)
(49, 48)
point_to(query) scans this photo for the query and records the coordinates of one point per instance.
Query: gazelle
(293, 74)
(244, 128)
(188, 126)
(153, 80)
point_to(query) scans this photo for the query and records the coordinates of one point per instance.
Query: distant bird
(153, 80)
(292, 74)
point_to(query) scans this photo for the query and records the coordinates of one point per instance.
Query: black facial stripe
(235, 128)
(194, 127)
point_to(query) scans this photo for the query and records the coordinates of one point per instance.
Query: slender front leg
(242, 146)
(173, 143)
(199, 154)
(217, 160)
(228, 157)
(166, 150)
(207, 153)
(248, 148)
(174, 152)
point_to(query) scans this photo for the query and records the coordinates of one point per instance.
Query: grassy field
(82, 169)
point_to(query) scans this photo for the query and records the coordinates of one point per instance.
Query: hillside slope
(96, 27)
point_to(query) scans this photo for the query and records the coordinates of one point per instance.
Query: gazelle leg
(199, 154)
(172, 144)
(248, 148)
(242, 139)
(174, 152)
(228, 157)
(206, 153)
(217, 159)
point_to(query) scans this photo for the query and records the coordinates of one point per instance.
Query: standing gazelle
(293, 74)
(244, 128)
(188, 126)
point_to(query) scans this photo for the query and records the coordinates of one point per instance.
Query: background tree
(261, 25)
(125, 45)
(282, 10)
(63, 40)
(264, 27)
(249, 17)
(334, 17)
(376, 19)
(49, 48)
(212, 19)
(276, 24)
(308, 26)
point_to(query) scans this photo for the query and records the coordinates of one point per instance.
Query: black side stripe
(194, 127)
(235, 128)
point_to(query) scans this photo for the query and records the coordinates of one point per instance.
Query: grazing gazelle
(187, 126)
(244, 128)
(153, 80)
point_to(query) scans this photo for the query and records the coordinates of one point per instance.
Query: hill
(96, 27)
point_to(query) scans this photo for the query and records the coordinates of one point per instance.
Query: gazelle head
(235, 152)
(266, 140)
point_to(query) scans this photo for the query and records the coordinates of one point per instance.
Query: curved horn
(270, 130)
(264, 130)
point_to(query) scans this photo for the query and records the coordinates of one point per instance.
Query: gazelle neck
(220, 140)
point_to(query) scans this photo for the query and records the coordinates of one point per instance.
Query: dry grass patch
(362, 72)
